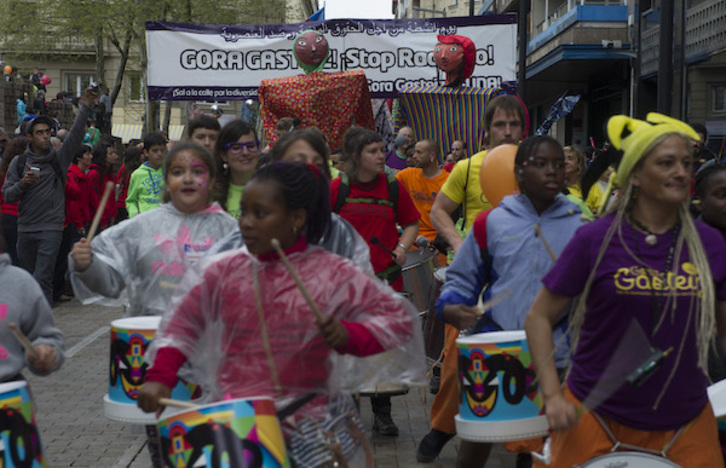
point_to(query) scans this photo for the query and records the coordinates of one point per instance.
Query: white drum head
(717, 396)
(147, 322)
(629, 459)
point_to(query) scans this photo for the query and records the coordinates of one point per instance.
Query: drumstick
(318, 315)
(29, 348)
(538, 232)
(177, 403)
(99, 211)
(482, 307)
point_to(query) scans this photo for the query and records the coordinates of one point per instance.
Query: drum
(20, 444)
(244, 432)
(418, 276)
(498, 401)
(433, 328)
(717, 397)
(130, 337)
(624, 459)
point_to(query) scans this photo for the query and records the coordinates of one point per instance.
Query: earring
(634, 196)
(294, 230)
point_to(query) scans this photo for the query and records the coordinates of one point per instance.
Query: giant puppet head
(455, 56)
(311, 51)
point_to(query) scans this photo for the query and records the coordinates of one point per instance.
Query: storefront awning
(128, 132)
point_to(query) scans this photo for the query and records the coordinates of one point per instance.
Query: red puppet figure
(455, 56)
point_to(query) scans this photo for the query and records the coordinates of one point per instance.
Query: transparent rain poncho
(139, 262)
(247, 330)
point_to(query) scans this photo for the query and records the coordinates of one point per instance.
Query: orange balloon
(497, 174)
(8, 69)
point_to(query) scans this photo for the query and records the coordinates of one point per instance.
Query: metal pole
(522, 44)
(471, 7)
(665, 58)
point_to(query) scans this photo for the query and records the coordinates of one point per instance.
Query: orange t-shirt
(423, 191)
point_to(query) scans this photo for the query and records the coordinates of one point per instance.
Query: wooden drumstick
(29, 348)
(483, 307)
(318, 315)
(538, 232)
(99, 211)
(177, 403)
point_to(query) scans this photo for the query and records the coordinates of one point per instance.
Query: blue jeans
(37, 252)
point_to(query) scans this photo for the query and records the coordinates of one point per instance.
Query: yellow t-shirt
(594, 196)
(474, 200)
(234, 200)
(423, 191)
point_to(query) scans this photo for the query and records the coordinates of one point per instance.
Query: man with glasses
(37, 179)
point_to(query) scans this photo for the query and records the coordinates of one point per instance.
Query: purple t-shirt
(620, 293)
(395, 162)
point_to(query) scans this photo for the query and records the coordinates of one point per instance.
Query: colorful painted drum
(624, 459)
(499, 400)
(130, 337)
(234, 433)
(20, 444)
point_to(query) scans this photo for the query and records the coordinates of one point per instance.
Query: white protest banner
(213, 62)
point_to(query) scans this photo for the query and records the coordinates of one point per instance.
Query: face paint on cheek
(200, 179)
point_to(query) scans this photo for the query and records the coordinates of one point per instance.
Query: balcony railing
(705, 35)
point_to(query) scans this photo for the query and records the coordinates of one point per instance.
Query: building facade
(608, 51)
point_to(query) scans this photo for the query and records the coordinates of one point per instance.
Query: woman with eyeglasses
(238, 156)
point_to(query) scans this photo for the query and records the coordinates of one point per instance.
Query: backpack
(23, 158)
(344, 191)
(480, 234)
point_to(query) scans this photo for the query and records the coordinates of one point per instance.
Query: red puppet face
(311, 48)
(449, 57)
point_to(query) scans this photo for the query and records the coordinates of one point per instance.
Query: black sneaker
(384, 425)
(431, 445)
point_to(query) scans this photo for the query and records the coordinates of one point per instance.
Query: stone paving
(75, 432)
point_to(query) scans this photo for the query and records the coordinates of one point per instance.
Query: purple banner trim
(337, 27)
(201, 93)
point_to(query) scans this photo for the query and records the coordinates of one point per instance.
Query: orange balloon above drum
(497, 174)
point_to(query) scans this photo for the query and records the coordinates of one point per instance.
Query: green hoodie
(146, 188)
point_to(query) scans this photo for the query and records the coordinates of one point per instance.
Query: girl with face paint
(139, 262)
(144, 258)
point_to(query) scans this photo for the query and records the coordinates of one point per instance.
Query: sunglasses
(237, 147)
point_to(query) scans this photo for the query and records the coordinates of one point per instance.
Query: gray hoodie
(23, 303)
(42, 205)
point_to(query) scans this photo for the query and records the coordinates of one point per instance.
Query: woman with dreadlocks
(651, 284)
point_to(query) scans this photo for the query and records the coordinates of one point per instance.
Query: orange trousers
(446, 401)
(697, 445)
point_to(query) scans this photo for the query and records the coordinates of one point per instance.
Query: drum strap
(617, 445)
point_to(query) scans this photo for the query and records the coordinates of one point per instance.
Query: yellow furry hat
(634, 137)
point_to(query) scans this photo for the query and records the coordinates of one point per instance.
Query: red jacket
(96, 191)
(124, 183)
(8, 208)
(78, 204)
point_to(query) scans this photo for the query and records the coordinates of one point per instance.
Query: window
(76, 82)
(718, 99)
(135, 88)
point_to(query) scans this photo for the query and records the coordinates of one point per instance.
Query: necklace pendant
(651, 240)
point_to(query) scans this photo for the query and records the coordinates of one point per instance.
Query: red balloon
(8, 69)
(497, 174)
(45, 79)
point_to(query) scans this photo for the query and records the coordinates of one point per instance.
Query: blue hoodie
(519, 260)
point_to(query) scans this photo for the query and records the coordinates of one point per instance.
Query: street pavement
(75, 432)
